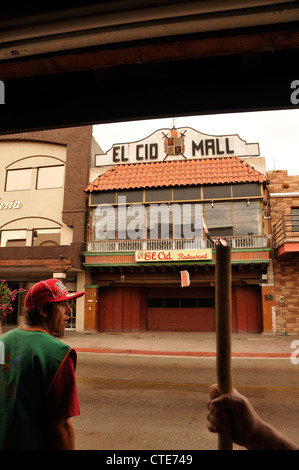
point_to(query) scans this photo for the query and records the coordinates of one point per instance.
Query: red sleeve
(63, 397)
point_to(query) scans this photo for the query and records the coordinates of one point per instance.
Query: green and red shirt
(37, 384)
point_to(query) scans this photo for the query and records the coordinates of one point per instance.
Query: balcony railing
(108, 246)
(286, 229)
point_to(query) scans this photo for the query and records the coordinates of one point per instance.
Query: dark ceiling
(115, 60)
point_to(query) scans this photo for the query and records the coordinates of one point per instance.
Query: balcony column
(60, 276)
(80, 302)
(268, 306)
(91, 308)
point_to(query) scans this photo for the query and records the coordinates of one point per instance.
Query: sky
(276, 132)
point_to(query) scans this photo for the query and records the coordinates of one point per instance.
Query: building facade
(43, 210)
(148, 209)
(285, 219)
(136, 238)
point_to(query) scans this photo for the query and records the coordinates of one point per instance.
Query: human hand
(232, 412)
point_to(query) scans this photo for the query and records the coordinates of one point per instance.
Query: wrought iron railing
(102, 246)
(286, 229)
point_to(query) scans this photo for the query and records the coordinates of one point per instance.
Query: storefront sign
(173, 255)
(177, 144)
(10, 205)
(185, 279)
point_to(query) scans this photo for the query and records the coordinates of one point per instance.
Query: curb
(177, 353)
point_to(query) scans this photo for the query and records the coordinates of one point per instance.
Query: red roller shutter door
(247, 309)
(165, 319)
(122, 309)
(191, 310)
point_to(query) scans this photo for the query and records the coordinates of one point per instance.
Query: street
(146, 403)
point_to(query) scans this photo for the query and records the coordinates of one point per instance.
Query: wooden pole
(223, 330)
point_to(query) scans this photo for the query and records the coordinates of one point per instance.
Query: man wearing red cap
(38, 394)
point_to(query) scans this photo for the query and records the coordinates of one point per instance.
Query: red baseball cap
(51, 290)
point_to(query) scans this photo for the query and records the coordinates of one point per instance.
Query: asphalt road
(150, 403)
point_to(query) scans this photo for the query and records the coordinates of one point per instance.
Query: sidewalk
(189, 344)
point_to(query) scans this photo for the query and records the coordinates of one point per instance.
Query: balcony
(286, 235)
(110, 246)
(56, 258)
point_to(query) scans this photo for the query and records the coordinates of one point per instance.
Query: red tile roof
(177, 173)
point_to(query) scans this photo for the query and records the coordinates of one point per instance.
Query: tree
(7, 297)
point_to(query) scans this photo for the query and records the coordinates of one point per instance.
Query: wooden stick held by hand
(223, 330)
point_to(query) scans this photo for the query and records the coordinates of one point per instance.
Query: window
(50, 177)
(217, 191)
(246, 189)
(15, 243)
(132, 222)
(18, 180)
(206, 303)
(100, 197)
(134, 195)
(170, 302)
(188, 303)
(44, 177)
(104, 219)
(155, 221)
(13, 238)
(159, 221)
(176, 221)
(186, 194)
(234, 219)
(295, 219)
(155, 303)
(247, 218)
(164, 194)
(46, 237)
(191, 221)
(40, 237)
(218, 218)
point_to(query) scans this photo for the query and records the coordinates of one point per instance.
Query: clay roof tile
(218, 170)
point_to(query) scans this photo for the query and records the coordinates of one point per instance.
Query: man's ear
(42, 312)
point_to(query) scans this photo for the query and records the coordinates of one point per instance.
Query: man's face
(59, 317)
